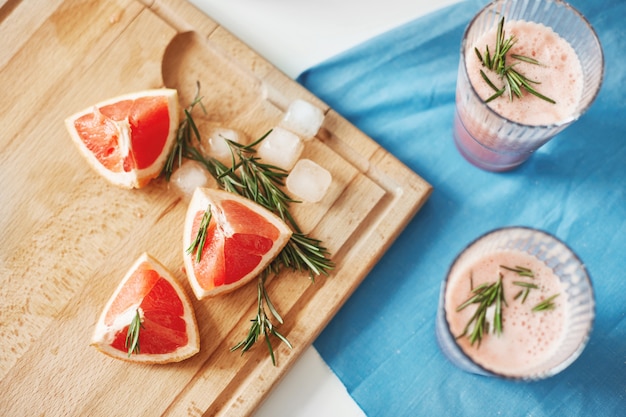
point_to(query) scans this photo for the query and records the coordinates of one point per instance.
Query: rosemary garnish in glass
(514, 82)
(547, 304)
(132, 335)
(485, 295)
(262, 183)
(524, 292)
(520, 270)
(527, 286)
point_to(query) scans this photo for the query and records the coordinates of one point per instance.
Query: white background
(295, 35)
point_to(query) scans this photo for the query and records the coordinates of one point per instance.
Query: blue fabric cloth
(399, 89)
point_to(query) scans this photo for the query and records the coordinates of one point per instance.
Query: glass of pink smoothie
(540, 314)
(503, 133)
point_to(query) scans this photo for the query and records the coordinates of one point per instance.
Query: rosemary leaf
(525, 59)
(488, 81)
(132, 335)
(514, 83)
(527, 287)
(480, 57)
(496, 95)
(192, 125)
(270, 305)
(520, 270)
(547, 304)
(197, 245)
(525, 284)
(498, 314)
(526, 84)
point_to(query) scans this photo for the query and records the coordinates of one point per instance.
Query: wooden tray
(68, 236)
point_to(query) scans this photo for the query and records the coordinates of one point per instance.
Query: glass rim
(574, 354)
(550, 126)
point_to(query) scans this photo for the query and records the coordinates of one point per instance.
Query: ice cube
(281, 148)
(216, 146)
(308, 181)
(189, 176)
(303, 119)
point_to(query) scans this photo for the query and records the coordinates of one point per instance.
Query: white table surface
(295, 35)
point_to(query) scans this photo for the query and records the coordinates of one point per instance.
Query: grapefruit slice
(127, 139)
(241, 238)
(167, 330)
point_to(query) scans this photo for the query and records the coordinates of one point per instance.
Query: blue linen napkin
(399, 89)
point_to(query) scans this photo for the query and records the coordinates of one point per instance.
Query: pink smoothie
(528, 339)
(484, 139)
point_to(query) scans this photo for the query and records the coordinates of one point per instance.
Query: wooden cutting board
(68, 236)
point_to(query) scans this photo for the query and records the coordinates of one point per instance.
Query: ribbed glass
(491, 141)
(568, 268)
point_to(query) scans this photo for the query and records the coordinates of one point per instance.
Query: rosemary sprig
(132, 335)
(304, 253)
(261, 324)
(197, 245)
(485, 295)
(513, 81)
(262, 183)
(520, 270)
(527, 287)
(186, 129)
(547, 304)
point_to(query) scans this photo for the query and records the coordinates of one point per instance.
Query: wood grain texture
(68, 236)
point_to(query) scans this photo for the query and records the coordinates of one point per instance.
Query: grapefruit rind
(201, 199)
(104, 334)
(135, 178)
